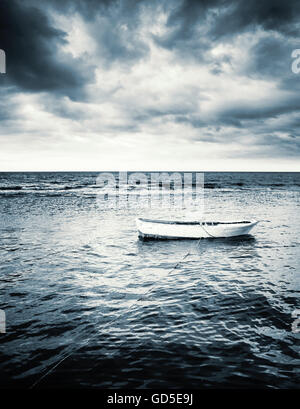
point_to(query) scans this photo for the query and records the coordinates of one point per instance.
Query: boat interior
(206, 223)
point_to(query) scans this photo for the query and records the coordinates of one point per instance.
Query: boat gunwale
(179, 222)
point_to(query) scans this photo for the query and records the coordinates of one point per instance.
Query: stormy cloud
(32, 44)
(137, 84)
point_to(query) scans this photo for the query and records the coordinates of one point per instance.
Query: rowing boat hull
(161, 229)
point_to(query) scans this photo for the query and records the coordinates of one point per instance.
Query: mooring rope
(84, 343)
(201, 224)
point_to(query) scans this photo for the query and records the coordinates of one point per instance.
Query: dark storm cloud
(6, 110)
(183, 22)
(230, 17)
(113, 25)
(290, 146)
(32, 43)
(31, 46)
(194, 27)
(270, 57)
(276, 15)
(115, 28)
(260, 112)
(33, 35)
(87, 8)
(193, 120)
(64, 109)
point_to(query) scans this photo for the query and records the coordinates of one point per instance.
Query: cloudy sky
(149, 85)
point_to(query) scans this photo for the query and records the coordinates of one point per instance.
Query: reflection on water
(76, 278)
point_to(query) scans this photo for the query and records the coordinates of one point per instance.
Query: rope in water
(201, 224)
(74, 349)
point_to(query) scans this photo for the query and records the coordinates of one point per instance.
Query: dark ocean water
(73, 274)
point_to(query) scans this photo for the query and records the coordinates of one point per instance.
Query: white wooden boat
(168, 229)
